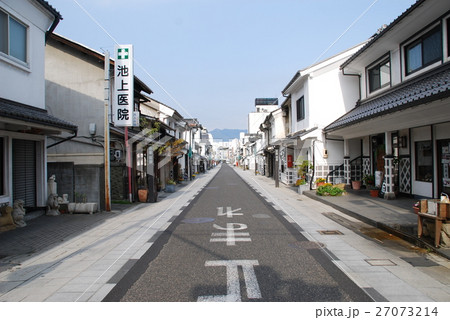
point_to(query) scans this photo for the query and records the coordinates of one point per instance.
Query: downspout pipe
(58, 18)
(314, 164)
(354, 75)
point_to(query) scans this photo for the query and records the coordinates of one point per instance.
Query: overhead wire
(135, 60)
(170, 95)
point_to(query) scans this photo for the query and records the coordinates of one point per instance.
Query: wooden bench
(441, 215)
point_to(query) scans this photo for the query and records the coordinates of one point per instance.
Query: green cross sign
(122, 53)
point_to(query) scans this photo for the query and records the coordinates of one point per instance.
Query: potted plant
(302, 186)
(374, 191)
(356, 184)
(170, 186)
(320, 182)
(329, 190)
(143, 194)
(369, 180)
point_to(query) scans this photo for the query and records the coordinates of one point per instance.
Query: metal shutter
(24, 171)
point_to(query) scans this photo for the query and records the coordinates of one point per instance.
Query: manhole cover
(329, 232)
(380, 262)
(198, 220)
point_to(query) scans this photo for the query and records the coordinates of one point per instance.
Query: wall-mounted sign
(123, 97)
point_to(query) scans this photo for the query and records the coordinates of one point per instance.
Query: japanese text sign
(123, 97)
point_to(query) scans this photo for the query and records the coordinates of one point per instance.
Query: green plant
(171, 181)
(303, 166)
(320, 180)
(329, 190)
(300, 182)
(369, 179)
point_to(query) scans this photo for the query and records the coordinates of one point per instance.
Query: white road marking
(230, 236)
(233, 287)
(229, 213)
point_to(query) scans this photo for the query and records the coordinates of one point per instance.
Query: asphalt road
(229, 244)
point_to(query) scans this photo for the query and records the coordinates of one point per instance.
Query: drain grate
(419, 261)
(330, 232)
(380, 262)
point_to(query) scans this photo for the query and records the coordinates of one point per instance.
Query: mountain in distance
(226, 134)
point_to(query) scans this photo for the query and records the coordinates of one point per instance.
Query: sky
(210, 59)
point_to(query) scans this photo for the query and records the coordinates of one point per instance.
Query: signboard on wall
(123, 97)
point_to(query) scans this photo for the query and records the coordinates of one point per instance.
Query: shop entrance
(444, 166)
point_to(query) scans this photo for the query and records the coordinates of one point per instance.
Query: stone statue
(6, 219)
(52, 185)
(18, 213)
(53, 205)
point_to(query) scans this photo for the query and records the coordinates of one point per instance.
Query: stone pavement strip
(87, 266)
(385, 271)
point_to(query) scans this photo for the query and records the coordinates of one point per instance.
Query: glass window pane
(414, 57)
(385, 74)
(424, 161)
(3, 32)
(18, 40)
(432, 48)
(374, 79)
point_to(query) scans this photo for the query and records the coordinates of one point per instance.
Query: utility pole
(106, 143)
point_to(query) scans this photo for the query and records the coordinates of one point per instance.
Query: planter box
(89, 207)
(302, 188)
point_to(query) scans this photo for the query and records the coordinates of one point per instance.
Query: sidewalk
(387, 267)
(394, 216)
(81, 257)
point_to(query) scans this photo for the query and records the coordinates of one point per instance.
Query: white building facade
(316, 96)
(25, 123)
(400, 127)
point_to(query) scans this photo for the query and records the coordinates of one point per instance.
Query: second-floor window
(13, 37)
(380, 75)
(301, 108)
(424, 51)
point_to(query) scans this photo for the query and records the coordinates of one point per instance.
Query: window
(424, 51)
(13, 37)
(301, 109)
(380, 75)
(424, 161)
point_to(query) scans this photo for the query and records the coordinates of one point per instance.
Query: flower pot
(374, 193)
(143, 195)
(170, 188)
(318, 184)
(356, 185)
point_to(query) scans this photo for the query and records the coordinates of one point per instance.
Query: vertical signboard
(123, 99)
